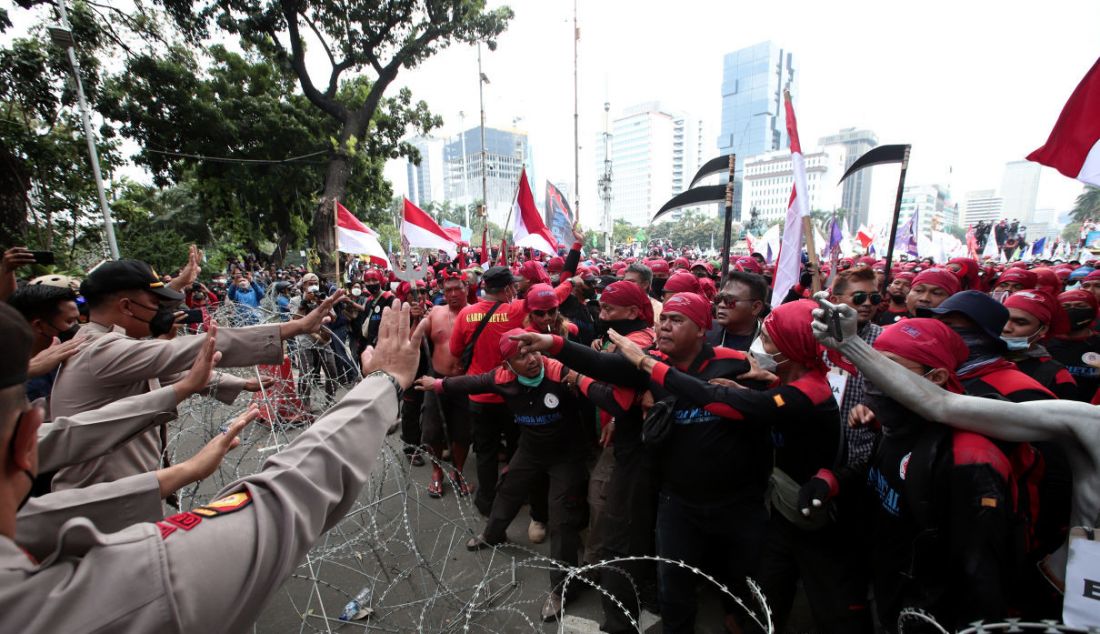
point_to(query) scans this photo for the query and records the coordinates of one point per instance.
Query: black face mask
(66, 335)
(1080, 317)
(621, 326)
(980, 345)
(373, 289)
(162, 322)
(657, 286)
(897, 299)
(892, 415)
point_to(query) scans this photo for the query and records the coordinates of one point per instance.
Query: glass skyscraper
(753, 116)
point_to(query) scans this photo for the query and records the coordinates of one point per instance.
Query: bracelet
(393, 381)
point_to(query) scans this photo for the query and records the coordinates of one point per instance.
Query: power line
(229, 159)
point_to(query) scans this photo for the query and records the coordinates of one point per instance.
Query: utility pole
(63, 37)
(576, 124)
(465, 184)
(605, 179)
(482, 80)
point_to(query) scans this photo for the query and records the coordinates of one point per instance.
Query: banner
(559, 217)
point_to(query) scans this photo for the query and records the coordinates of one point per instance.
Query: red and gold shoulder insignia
(226, 505)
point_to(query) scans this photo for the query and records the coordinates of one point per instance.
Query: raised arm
(1014, 422)
(609, 367)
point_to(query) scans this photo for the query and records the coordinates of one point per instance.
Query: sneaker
(536, 534)
(551, 610)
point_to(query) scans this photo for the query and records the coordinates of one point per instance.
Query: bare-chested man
(446, 416)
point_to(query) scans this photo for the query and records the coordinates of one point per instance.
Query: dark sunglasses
(544, 313)
(859, 297)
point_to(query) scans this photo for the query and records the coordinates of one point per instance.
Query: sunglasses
(544, 313)
(859, 297)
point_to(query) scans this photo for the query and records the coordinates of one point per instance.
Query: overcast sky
(971, 85)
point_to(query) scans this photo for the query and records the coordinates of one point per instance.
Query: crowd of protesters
(648, 411)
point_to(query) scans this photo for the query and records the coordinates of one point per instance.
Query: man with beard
(897, 292)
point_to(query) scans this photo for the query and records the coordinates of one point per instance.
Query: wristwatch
(396, 385)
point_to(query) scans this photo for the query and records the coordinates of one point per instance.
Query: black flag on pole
(697, 196)
(877, 156)
(710, 168)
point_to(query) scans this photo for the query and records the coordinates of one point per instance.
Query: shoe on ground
(551, 610)
(435, 488)
(477, 542)
(462, 488)
(536, 532)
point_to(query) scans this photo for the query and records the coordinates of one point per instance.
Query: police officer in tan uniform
(127, 303)
(211, 569)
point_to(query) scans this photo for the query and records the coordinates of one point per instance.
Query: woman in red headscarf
(809, 447)
(1081, 308)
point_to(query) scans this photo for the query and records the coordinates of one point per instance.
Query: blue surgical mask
(1017, 343)
(530, 381)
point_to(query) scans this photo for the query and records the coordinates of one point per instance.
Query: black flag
(697, 196)
(877, 156)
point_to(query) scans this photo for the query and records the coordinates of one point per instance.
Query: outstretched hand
(626, 347)
(311, 323)
(202, 368)
(208, 459)
(533, 342)
(830, 317)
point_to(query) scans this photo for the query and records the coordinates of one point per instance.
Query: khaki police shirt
(113, 366)
(216, 574)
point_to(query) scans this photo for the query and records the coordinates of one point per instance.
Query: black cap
(17, 337)
(126, 275)
(497, 277)
(989, 314)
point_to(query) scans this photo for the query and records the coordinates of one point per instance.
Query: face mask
(765, 360)
(898, 298)
(373, 288)
(529, 381)
(312, 289)
(1017, 343)
(1000, 296)
(1080, 317)
(356, 292)
(621, 326)
(657, 286)
(162, 322)
(67, 335)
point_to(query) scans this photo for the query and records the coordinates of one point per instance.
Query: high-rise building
(769, 178)
(753, 115)
(982, 204)
(1020, 190)
(506, 154)
(931, 201)
(425, 181)
(856, 196)
(654, 153)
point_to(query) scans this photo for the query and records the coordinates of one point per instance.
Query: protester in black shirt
(740, 308)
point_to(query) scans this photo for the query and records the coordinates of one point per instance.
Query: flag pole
(894, 224)
(811, 250)
(727, 228)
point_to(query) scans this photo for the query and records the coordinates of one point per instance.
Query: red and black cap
(126, 275)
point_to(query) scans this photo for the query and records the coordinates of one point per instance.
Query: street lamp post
(63, 37)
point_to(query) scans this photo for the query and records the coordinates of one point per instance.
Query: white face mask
(356, 292)
(312, 289)
(764, 359)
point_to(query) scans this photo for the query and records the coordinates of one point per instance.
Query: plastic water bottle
(359, 607)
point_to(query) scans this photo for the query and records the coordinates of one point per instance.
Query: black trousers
(411, 404)
(492, 422)
(567, 479)
(832, 575)
(722, 540)
(626, 526)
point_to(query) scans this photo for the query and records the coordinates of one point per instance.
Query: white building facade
(768, 180)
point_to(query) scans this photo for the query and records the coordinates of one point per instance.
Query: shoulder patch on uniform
(989, 503)
(185, 521)
(165, 529)
(226, 505)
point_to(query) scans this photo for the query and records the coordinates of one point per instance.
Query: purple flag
(906, 239)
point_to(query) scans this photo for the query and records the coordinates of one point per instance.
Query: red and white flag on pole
(529, 230)
(1074, 145)
(352, 236)
(790, 250)
(421, 231)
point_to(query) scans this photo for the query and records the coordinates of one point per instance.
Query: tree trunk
(336, 184)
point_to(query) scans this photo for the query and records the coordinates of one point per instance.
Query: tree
(692, 229)
(1087, 205)
(379, 38)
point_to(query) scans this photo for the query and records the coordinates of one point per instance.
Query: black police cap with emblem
(126, 275)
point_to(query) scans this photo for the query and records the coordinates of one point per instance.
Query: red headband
(628, 294)
(682, 282)
(942, 278)
(929, 342)
(693, 306)
(789, 327)
(540, 297)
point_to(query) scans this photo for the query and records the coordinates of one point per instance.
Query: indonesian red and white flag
(1074, 145)
(421, 231)
(865, 236)
(529, 230)
(352, 236)
(790, 250)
